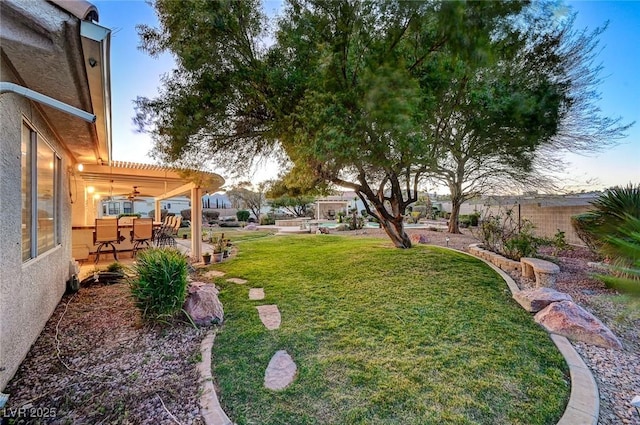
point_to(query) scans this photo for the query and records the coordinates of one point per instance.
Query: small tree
(243, 215)
(244, 195)
(296, 205)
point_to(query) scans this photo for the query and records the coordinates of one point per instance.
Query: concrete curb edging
(210, 409)
(583, 407)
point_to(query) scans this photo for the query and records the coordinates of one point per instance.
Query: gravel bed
(97, 363)
(111, 368)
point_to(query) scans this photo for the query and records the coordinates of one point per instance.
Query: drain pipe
(6, 87)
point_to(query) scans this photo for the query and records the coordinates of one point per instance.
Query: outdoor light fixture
(92, 62)
(447, 239)
(80, 167)
(91, 189)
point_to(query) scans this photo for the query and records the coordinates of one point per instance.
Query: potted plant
(219, 245)
(206, 258)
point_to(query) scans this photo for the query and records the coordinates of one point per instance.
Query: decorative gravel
(96, 363)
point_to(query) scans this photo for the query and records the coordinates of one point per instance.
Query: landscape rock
(237, 280)
(256, 293)
(570, 320)
(534, 300)
(280, 372)
(212, 274)
(203, 305)
(270, 316)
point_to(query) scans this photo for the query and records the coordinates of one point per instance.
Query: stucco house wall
(29, 291)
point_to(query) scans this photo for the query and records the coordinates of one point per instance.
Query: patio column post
(158, 212)
(196, 222)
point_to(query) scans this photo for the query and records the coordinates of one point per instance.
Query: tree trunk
(395, 230)
(455, 214)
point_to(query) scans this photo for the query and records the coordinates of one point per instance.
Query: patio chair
(106, 233)
(167, 234)
(142, 233)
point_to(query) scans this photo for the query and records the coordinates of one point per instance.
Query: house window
(113, 208)
(127, 207)
(40, 194)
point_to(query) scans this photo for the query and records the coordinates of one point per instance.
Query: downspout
(6, 87)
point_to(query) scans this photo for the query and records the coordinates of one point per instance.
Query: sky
(134, 73)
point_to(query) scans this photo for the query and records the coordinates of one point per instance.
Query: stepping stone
(270, 316)
(237, 280)
(256, 294)
(213, 274)
(280, 372)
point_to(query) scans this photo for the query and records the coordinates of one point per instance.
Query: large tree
(503, 125)
(347, 90)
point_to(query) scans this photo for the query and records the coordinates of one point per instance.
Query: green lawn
(382, 336)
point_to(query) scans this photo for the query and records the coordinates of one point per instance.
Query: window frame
(32, 227)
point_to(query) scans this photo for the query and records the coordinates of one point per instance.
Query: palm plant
(626, 252)
(608, 219)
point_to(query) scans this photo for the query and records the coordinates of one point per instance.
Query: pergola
(100, 181)
(324, 206)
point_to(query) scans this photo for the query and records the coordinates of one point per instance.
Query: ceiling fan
(134, 193)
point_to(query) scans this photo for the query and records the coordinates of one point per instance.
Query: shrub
(210, 215)
(186, 214)
(584, 224)
(559, 243)
(267, 219)
(115, 267)
(474, 219)
(504, 235)
(163, 214)
(137, 215)
(243, 215)
(159, 287)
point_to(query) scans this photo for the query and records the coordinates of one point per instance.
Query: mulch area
(97, 363)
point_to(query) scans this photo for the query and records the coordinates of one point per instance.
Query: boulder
(203, 305)
(570, 320)
(534, 300)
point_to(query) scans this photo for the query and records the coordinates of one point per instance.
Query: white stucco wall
(29, 291)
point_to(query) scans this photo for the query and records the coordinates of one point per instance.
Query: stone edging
(583, 407)
(210, 409)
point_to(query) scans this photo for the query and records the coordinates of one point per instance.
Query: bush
(186, 214)
(159, 288)
(137, 215)
(474, 219)
(210, 215)
(243, 215)
(163, 214)
(506, 236)
(267, 219)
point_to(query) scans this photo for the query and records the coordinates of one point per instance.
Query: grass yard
(382, 336)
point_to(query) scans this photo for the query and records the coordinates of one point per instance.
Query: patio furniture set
(143, 233)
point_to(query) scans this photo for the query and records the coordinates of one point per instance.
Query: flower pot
(206, 259)
(217, 257)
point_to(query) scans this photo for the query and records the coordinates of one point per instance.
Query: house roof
(56, 53)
